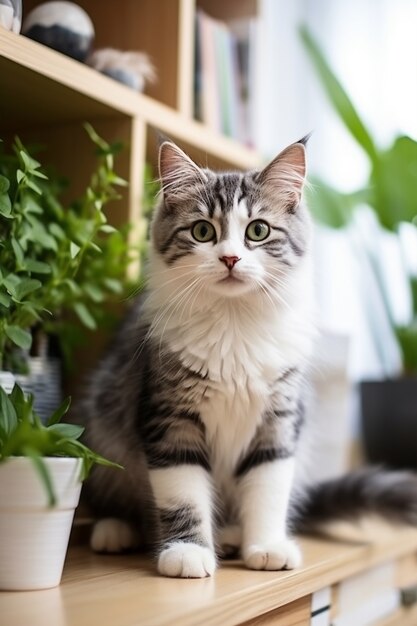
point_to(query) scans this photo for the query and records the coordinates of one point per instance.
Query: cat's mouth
(231, 279)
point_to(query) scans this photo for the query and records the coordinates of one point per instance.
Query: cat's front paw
(113, 535)
(284, 554)
(186, 560)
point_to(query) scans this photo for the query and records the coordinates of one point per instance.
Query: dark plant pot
(389, 422)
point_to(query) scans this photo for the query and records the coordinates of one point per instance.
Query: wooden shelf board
(41, 87)
(110, 590)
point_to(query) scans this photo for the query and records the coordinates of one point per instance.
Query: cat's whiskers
(185, 294)
(163, 285)
(159, 314)
(274, 293)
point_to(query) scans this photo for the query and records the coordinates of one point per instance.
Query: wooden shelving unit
(45, 93)
(46, 97)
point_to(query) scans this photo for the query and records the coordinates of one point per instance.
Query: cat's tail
(389, 494)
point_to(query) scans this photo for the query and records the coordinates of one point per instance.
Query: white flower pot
(33, 536)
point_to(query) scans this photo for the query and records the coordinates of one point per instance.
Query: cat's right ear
(178, 173)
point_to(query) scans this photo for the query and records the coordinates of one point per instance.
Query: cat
(202, 394)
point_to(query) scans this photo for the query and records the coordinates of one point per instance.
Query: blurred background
(233, 82)
(347, 72)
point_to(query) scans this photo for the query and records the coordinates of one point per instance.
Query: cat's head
(230, 233)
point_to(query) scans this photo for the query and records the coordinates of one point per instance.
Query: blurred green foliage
(391, 190)
(57, 262)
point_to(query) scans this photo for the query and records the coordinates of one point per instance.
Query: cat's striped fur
(201, 396)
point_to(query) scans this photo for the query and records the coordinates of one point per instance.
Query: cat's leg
(264, 492)
(114, 535)
(264, 479)
(183, 496)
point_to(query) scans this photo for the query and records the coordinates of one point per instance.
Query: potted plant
(42, 467)
(389, 406)
(58, 263)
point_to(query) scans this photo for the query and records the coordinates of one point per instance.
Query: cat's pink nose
(229, 261)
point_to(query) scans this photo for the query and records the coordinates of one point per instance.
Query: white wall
(372, 46)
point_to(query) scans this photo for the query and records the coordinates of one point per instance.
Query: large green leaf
(331, 207)
(43, 473)
(8, 417)
(21, 338)
(394, 179)
(5, 206)
(4, 184)
(39, 267)
(4, 299)
(338, 96)
(407, 339)
(59, 412)
(85, 315)
(67, 431)
(25, 287)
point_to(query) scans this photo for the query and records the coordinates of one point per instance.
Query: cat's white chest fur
(241, 355)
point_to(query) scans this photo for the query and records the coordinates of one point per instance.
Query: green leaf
(95, 247)
(10, 282)
(85, 315)
(56, 231)
(39, 267)
(29, 162)
(31, 311)
(67, 431)
(39, 175)
(17, 249)
(394, 179)
(4, 185)
(331, 207)
(8, 417)
(5, 299)
(30, 205)
(20, 337)
(20, 176)
(94, 292)
(74, 249)
(33, 186)
(17, 398)
(5, 206)
(407, 339)
(95, 138)
(43, 473)
(59, 412)
(113, 285)
(107, 228)
(25, 287)
(338, 96)
(72, 285)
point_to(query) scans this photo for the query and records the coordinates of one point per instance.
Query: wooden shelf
(42, 87)
(47, 96)
(125, 590)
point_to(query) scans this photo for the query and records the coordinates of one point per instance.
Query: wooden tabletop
(126, 591)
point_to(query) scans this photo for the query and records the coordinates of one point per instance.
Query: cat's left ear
(285, 175)
(177, 171)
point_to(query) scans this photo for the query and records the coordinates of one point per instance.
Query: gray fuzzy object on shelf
(131, 68)
(11, 15)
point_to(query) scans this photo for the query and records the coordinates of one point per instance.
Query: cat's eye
(257, 230)
(203, 231)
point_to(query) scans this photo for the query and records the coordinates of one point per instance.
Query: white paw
(113, 535)
(186, 560)
(283, 554)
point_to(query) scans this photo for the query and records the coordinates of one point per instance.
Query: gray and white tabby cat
(201, 396)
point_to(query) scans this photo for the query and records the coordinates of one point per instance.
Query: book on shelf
(222, 80)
